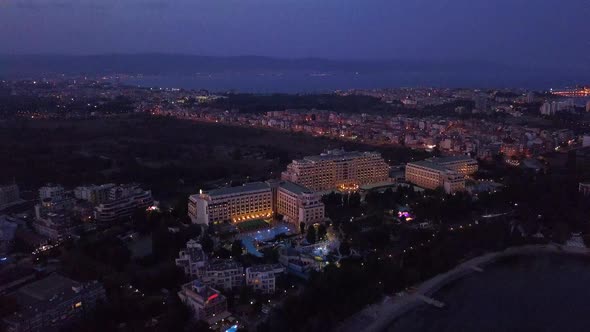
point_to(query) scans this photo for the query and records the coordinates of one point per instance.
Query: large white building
(256, 200)
(432, 175)
(337, 169)
(122, 201)
(463, 165)
(263, 277)
(192, 260)
(250, 201)
(298, 204)
(94, 194)
(55, 192)
(224, 274)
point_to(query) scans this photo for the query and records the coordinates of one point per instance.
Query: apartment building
(122, 201)
(431, 175)
(263, 277)
(337, 169)
(52, 303)
(224, 274)
(9, 194)
(94, 194)
(206, 303)
(192, 260)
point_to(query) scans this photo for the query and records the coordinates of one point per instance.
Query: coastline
(378, 317)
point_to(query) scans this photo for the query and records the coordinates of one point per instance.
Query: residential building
(250, 201)
(224, 274)
(53, 213)
(8, 228)
(9, 194)
(337, 169)
(263, 277)
(52, 191)
(122, 201)
(192, 260)
(431, 175)
(94, 194)
(51, 303)
(206, 303)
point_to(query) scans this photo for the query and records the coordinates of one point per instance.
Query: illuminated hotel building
(432, 175)
(298, 204)
(257, 200)
(337, 169)
(463, 165)
(250, 201)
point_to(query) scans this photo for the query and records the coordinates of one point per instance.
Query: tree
(236, 248)
(344, 248)
(311, 235)
(322, 231)
(302, 227)
(207, 244)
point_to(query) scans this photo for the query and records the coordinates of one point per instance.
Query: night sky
(548, 32)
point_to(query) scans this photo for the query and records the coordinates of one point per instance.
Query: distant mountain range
(164, 64)
(480, 73)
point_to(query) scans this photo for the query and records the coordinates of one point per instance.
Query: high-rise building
(122, 201)
(337, 169)
(53, 213)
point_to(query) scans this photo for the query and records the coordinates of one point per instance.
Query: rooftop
(253, 186)
(334, 155)
(429, 164)
(450, 159)
(295, 188)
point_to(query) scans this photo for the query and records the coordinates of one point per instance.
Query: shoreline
(378, 317)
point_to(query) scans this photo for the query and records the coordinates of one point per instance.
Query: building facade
(205, 302)
(122, 201)
(52, 303)
(263, 277)
(298, 204)
(94, 194)
(463, 165)
(9, 194)
(250, 201)
(255, 201)
(192, 260)
(224, 274)
(431, 175)
(337, 169)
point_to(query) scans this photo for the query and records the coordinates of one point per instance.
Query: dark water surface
(522, 293)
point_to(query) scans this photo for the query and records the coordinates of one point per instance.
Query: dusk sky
(549, 32)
